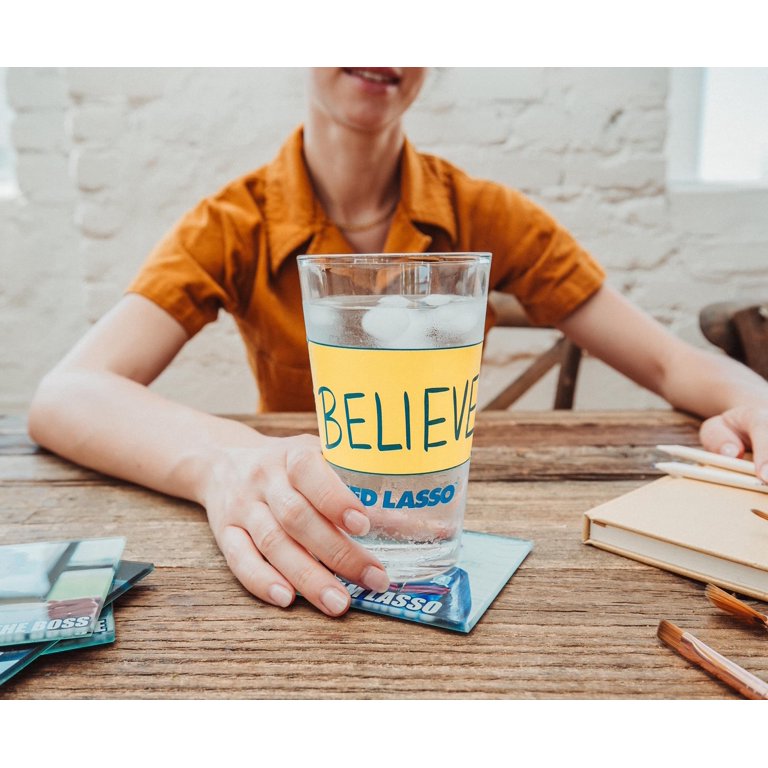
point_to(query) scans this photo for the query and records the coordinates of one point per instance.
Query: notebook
(698, 529)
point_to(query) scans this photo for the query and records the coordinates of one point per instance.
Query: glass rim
(448, 257)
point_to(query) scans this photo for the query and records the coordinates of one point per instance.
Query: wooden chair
(740, 329)
(510, 314)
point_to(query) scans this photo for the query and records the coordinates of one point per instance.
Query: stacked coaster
(57, 596)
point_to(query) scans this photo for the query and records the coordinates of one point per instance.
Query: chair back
(740, 330)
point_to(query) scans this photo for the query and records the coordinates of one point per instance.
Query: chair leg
(529, 377)
(566, 382)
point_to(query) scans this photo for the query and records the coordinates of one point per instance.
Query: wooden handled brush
(700, 654)
(730, 604)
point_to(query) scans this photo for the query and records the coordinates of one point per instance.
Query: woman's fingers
(311, 475)
(279, 514)
(732, 431)
(303, 523)
(306, 574)
(719, 437)
(251, 570)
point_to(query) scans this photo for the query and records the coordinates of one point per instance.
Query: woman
(348, 182)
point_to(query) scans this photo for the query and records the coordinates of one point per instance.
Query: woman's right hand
(281, 515)
(278, 511)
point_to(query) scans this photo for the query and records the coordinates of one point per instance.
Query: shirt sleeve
(534, 257)
(202, 265)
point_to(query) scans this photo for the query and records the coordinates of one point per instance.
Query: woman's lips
(376, 78)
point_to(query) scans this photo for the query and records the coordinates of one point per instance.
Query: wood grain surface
(573, 622)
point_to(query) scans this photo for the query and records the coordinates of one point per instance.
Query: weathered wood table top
(573, 622)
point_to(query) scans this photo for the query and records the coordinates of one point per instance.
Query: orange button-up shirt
(237, 251)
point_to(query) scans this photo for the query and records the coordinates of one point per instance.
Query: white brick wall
(109, 159)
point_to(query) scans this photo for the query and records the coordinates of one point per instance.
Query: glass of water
(395, 344)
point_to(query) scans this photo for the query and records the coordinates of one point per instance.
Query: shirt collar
(424, 194)
(296, 219)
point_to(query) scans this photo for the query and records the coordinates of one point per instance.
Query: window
(734, 126)
(7, 175)
(719, 126)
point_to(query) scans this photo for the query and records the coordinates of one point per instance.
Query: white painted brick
(36, 88)
(543, 124)
(136, 84)
(99, 220)
(672, 289)
(623, 87)
(93, 170)
(103, 262)
(625, 171)
(471, 127)
(44, 178)
(708, 211)
(95, 123)
(524, 171)
(489, 83)
(720, 260)
(40, 130)
(649, 213)
(628, 249)
(646, 130)
(589, 127)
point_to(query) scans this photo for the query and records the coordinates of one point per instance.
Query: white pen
(712, 459)
(710, 475)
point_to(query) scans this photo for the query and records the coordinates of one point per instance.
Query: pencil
(710, 475)
(712, 459)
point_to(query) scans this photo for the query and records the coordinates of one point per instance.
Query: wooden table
(574, 621)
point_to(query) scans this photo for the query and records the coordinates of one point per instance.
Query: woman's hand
(277, 510)
(279, 514)
(739, 428)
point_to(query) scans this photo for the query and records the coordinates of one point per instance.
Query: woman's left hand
(736, 430)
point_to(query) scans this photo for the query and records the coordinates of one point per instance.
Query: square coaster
(457, 598)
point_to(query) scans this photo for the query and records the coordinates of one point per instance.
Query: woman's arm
(272, 503)
(732, 398)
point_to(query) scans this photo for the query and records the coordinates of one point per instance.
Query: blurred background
(661, 173)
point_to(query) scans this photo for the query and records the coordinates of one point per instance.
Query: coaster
(457, 598)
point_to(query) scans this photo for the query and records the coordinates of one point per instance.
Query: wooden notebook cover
(713, 519)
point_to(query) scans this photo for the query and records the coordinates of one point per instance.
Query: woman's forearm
(707, 384)
(117, 426)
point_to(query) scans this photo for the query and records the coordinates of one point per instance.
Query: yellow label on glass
(395, 411)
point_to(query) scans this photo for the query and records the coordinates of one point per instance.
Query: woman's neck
(355, 173)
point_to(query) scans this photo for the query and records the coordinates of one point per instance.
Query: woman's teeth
(374, 77)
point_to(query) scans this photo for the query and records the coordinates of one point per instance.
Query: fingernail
(335, 602)
(729, 449)
(279, 595)
(376, 579)
(356, 522)
(764, 473)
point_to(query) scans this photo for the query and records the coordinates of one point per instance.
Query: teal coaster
(457, 598)
(102, 635)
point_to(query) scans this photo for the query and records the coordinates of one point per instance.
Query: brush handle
(725, 670)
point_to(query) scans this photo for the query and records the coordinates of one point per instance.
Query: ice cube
(319, 316)
(419, 333)
(459, 319)
(394, 300)
(437, 299)
(385, 323)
